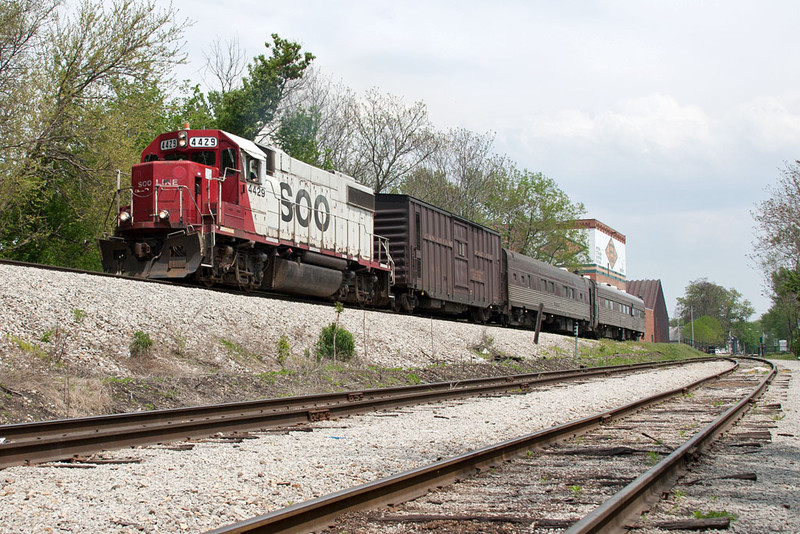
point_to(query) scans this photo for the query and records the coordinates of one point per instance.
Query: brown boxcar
(443, 263)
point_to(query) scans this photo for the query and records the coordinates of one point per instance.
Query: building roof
(597, 225)
(648, 290)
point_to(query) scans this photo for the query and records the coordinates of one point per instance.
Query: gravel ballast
(219, 483)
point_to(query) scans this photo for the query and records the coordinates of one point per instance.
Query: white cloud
(769, 123)
(655, 123)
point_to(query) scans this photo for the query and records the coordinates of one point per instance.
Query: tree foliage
(535, 217)
(707, 331)
(247, 109)
(93, 79)
(707, 299)
(777, 250)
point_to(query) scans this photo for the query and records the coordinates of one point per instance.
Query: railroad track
(600, 481)
(29, 443)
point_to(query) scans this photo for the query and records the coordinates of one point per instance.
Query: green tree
(247, 109)
(777, 250)
(297, 136)
(96, 75)
(702, 297)
(707, 331)
(537, 218)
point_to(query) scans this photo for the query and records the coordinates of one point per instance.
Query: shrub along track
(599, 482)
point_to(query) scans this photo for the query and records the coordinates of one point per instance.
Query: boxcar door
(461, 261)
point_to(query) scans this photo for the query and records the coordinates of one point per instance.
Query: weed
(576, 489)
(180, 346)
(238, 351)
(78, 315)
(116, 380)
(47, 336)
(270, 376)
(141, 345)
(714, 513)
(678, 495)
(27, 346)
(413, 378)
(653, 457)
(284, 351)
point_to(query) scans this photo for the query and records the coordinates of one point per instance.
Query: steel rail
(321, 512)
(95, 424)
(628, 503)
(27, 443)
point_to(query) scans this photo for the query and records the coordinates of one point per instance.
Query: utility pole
(691, 314)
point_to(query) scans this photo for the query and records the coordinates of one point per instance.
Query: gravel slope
(96, 319)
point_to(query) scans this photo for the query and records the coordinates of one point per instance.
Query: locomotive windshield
(204, 157)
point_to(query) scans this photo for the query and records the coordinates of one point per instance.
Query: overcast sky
(666, 119)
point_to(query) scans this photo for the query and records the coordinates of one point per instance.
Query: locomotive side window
(252, 166)
(271, 162)
(229, 162)
(150, 157)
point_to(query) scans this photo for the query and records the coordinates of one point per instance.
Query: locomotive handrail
(194, 202)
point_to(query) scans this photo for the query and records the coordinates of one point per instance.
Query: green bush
(141, 344)
(284, 350)
(345, 343)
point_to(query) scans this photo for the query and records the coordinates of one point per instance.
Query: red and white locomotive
(208, 205)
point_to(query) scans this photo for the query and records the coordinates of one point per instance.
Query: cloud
(769, 124)
(655, 123)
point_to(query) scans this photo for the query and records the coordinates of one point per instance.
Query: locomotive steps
(76, 344)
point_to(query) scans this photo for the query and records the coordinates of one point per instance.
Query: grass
(27, 346)
(237, 351)
(714, 513)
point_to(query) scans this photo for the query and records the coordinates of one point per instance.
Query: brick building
(656, 328)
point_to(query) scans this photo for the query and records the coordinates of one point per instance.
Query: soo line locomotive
(212, 207)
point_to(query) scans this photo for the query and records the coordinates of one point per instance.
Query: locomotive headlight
(182, 139)
(163, 215)
(124, 217)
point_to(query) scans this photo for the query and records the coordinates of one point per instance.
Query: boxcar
(443, 263)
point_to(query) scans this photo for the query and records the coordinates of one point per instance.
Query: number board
(169, 144)
(202, 142)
